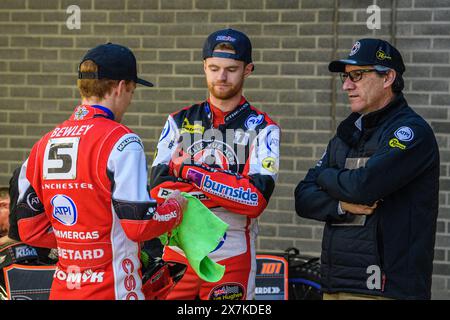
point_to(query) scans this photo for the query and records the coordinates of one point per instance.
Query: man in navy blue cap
(83, 189)
(376, 186)
(225, 152)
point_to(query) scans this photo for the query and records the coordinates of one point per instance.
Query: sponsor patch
(355, 48)
(127, 141)
(394, 143)
(269, 164)
(80, 113)
(404, 134)
(195, 176)
(381, 55)
(273, 141)
(227, 291)
(64, 210)
(75, 276)
(25, 251)
(253, 121)
(224, 191)
(213, 152)
(165, 131)
(164, 193)
(191, 128)
(225, 38)
(34, 203)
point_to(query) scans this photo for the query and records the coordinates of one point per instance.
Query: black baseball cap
(371, 52)
(115, 62)
(237, 39)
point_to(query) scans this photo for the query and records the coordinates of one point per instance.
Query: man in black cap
(376, 186)
(83, 188)
(225, 152)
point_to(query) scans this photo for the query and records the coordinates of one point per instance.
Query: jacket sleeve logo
(404, 134)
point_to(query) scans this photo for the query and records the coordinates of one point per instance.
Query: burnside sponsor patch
(227, 291)
(224, 191)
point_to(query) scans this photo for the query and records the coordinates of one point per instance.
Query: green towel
(199, 233)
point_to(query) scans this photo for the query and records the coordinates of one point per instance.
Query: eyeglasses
(356, 75)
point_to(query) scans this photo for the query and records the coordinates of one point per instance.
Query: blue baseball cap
(238, 40)
(115, 62)
(371, 52)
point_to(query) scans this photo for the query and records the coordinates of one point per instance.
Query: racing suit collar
(85, 111)
(240, 109)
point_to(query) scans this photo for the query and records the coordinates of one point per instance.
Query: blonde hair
(96, 87)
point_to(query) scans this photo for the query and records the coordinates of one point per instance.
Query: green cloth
(199, 233)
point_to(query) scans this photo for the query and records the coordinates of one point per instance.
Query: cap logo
(355, 48)
(225, 38)
(381, 55)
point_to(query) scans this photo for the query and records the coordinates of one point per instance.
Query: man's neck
(105, 103)
(383, 103)
(225, 105)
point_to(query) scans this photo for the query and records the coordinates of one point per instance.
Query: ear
(121, 87)
(389, 78)
(248, 70)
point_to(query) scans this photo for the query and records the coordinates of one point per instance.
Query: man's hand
(179, 157)
(182, 202)
(358, 208)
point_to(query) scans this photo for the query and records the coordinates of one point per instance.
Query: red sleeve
(33, 224)
(163, 184)
(36, 231)
(141, 225)
(237, 193)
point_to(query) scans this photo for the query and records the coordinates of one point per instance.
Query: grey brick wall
(293, 43)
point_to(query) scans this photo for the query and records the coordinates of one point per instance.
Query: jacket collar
(348, 131)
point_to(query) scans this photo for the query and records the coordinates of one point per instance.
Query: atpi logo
(404, 134)
(253, 121)
(64, 210)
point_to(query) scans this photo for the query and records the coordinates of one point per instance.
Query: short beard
(225, 95)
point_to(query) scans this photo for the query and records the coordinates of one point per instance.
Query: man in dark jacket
(376, 186)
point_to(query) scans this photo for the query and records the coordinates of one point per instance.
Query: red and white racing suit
(234, 169)
(83, 190)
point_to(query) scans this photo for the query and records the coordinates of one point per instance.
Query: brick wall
(293, 42)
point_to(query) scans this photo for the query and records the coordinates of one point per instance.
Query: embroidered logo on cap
(381, 55)
(355, 48)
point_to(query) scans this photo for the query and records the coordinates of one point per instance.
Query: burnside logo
(237, 194)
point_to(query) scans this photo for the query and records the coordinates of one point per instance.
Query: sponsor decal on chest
(213, 152)
(64, 210)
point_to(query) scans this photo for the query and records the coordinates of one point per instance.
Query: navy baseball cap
(371, 52)
(238, 40)
(115, 62)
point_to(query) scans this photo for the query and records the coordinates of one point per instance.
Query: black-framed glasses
(356, 75)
